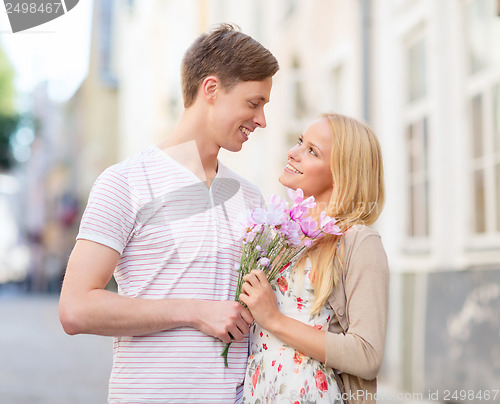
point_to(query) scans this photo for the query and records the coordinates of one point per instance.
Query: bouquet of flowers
(273, 236)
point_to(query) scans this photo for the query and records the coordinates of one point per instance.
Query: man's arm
(85, 307)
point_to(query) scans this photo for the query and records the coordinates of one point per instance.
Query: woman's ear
(210, 87)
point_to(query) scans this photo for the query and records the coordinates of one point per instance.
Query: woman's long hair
(357, 198)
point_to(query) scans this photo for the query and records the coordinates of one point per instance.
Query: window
(335, 90)
(485, 160)
(476, 13)
(290, 8)
(478, 172)
(418, 176)
(496, 134)
(416, 62)
(416, 118)
(299, 100)
(482, 25)
(297, 106)
(482, 29)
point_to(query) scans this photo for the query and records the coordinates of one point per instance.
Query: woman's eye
(299, 141)
(311, 150)
(253, 104)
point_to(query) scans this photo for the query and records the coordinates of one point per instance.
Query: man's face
(238, 111)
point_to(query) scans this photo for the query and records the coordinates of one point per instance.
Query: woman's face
(308, 164)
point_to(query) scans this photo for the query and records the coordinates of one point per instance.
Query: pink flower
(264, 262)
(310, 227)
(273, 236)
(297, 197)
(296, 212)
(277, 201)
(292, 233)
(327, 224)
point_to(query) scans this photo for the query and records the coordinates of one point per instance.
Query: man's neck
(189, 146)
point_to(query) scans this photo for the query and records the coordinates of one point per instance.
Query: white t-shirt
(177, 239)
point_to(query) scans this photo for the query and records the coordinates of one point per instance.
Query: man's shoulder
(139, 161)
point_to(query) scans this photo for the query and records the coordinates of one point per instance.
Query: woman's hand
(259, 297)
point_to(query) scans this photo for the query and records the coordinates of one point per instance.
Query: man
(163, 222)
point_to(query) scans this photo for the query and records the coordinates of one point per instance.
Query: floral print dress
(277, 373)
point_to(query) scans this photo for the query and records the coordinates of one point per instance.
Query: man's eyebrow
(261, 98)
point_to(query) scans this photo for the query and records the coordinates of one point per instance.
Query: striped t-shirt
(177, 239)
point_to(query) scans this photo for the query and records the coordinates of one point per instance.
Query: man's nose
(260, 119)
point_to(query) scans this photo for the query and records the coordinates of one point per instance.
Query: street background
(40, 364)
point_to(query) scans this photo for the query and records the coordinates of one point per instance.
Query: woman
(328, 311)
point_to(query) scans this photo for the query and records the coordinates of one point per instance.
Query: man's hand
(223, 319)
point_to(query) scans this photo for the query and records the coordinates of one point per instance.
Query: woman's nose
(293, 153)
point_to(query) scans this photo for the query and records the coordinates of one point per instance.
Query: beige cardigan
(360, 303)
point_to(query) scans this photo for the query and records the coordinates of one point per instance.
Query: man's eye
(253, 104)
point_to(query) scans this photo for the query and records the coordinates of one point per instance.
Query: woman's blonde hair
(357, 197)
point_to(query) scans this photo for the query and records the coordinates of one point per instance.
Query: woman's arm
(360, 351)
(259, 297)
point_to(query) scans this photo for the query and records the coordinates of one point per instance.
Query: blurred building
(91, 115)
(424, 74)
(73, 143)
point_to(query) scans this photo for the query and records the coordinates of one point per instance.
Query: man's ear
(210, 87)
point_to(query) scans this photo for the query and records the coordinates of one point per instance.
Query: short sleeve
(111, 210)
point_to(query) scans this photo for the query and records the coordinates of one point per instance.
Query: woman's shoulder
(365, 237)
(359, 232)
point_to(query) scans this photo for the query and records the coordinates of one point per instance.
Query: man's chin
(234, 148)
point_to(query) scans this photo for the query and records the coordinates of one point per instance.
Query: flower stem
(224, 354)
